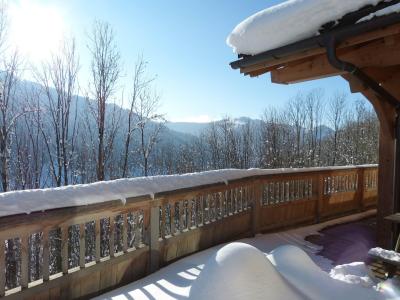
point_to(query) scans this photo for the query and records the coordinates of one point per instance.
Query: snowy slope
(27, 201)
(288, 22)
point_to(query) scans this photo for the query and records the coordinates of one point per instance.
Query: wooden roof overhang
(372, 44)
(367, 55)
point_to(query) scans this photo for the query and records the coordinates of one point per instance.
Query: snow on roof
(382, 12)
(27, 201)
(289, 22)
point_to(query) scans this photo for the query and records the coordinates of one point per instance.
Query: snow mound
(240, 271)
(298, 268)
(385, 254)
(288, 22)
(354, 273)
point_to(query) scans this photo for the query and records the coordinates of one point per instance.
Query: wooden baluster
(201, 210)
(46, 255)
(64, 249)
(2, 268)
(189, 216)
(112, 236)
(154, 244)
(97, 233)
(360, 188)
(163, 219)
(125, 233)
(138, 231)
(256, 206)
(172, 216)
(181, 208)
(82, 246)
(24, 261)
(229, 202)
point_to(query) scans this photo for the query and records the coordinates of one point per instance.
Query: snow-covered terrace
(160, 220)
(248, 276)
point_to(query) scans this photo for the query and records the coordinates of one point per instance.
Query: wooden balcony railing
(84, 251)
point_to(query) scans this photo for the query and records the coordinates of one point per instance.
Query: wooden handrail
(89, 249)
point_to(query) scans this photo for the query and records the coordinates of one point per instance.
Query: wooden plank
(37, 221)
(82, 246)
(24, 261)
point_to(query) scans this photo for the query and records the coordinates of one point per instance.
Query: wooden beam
(387, 115)
(375, 54)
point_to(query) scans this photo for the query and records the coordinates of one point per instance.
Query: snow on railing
(80, 251)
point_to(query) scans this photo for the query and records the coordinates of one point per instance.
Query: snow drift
(297, 267)
(240, 271)
(288, 22)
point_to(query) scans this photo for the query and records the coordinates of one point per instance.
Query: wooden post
(2, 268)
(24, 261)
(360, 188)
(82, 240)
(154, 237)
(387, 147)
(46, 255)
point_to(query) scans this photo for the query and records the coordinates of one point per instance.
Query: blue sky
(184, 43)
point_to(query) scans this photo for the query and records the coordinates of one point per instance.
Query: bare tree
(58, 78)
(337, 108)
(105, 72)
(140, 83)
(10, 111)
(150, 123)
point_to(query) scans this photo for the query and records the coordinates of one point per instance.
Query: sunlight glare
(35, 29)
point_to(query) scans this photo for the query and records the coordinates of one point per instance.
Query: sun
(36, 29)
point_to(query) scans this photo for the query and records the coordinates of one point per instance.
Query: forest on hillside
(51, 137)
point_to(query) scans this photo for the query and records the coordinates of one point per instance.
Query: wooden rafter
(384, 52)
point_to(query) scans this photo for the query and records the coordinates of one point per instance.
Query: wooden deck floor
(347, 243)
